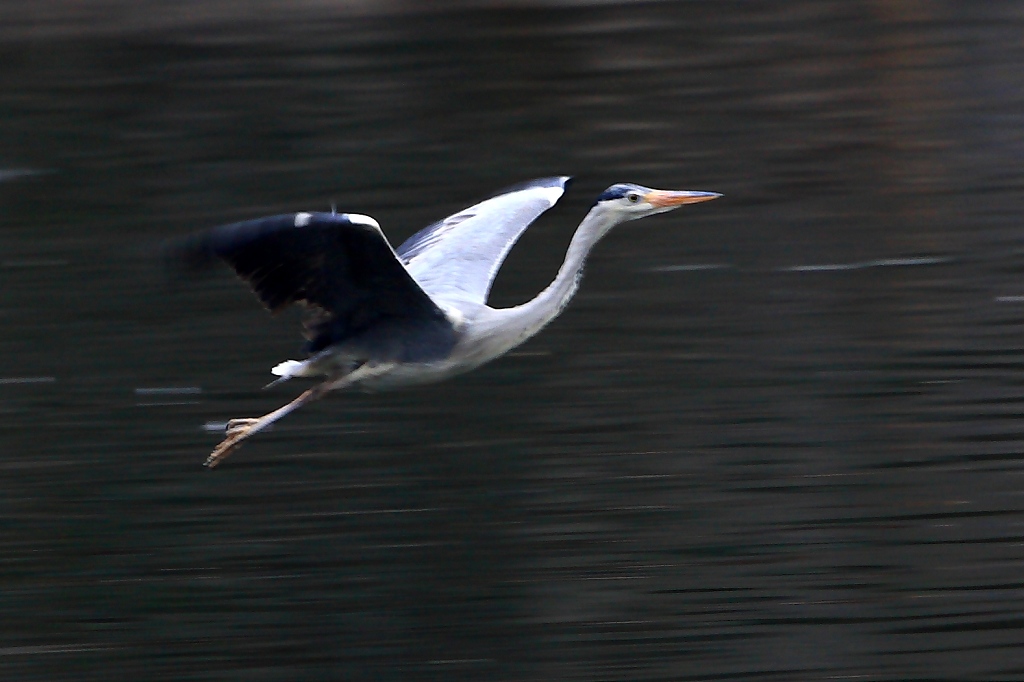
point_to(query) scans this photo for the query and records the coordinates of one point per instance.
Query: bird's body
(380, 318)
(480, 337)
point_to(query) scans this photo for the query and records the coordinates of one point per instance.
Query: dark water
(777, 436)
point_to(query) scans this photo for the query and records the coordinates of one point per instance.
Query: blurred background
(777, 436)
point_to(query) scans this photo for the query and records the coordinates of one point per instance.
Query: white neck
(530, 317)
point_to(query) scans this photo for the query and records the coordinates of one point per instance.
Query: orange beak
(665, 199)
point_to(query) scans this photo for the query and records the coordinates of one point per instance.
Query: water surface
(775, 437)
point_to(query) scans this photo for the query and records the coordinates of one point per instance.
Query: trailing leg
(240, 429)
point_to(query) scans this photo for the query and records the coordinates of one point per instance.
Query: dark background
(775, 437)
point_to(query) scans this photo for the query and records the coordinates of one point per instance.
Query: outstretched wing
(340, 266)
(457, 259)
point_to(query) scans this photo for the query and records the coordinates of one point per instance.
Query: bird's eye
(632, 197)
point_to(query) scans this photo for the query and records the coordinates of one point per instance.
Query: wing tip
(559, 182)
(553, 181)
(189, 254)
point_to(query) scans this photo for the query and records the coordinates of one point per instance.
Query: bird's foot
(238, 425)
(221, 452)
(237, 430)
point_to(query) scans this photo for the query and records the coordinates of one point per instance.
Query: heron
(379, 318)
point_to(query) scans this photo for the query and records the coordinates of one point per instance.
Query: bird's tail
(286, 370)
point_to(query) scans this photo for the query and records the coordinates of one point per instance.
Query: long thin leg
(240, 429)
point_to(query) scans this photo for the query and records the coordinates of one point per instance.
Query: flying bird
(380, 318)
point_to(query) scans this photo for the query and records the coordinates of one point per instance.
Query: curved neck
(533, 315)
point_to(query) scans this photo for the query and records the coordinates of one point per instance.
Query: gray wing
(457, 259)
(340, 267)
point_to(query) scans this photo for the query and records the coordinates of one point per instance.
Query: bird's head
(629, 202)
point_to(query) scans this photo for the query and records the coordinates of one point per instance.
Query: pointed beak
(665, 199)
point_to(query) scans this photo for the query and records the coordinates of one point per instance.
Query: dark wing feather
(360, 295)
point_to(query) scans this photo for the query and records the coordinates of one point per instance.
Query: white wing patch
(454, 316)
(456, 259)
(553, 194)
(360, 219)
(446, 226)
(303, 219)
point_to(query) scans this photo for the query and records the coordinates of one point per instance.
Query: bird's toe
(222, 451)
(237, 426)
